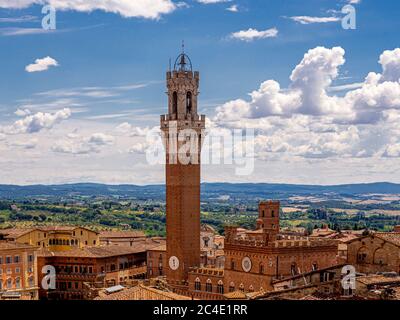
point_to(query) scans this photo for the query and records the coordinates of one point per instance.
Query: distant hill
(209, 190)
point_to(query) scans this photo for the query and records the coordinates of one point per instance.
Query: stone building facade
(54, 238)
(157, 261)
(255, 259)
(106, 266)
(376, 252)
(18, 271)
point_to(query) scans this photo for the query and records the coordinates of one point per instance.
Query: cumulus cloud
(132, 131)
(309, 90)
(308, 120)
(150, 9)
(78, 145)
(41, 65)
(36, 122)
(254, 34)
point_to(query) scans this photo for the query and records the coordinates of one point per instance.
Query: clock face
(174, 263)
(246, 264)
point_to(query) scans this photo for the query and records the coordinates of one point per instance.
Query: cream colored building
(54, 238)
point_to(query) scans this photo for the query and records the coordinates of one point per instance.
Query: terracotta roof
(393, 237)
(17, 232)
(207, 228)
(4, 245)
(377, 279)
(122, 234)
(236, 295)
(95, 252)
(142, 293)
(162, 247)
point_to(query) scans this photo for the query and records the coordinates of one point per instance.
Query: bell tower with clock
(182, 131)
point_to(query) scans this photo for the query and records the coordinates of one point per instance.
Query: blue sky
(111, 64)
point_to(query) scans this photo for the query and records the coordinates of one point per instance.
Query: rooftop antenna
(183, 46)
(170, 65)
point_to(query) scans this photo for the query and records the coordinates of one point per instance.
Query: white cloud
(22, 112)
(390, 61)
(310, 20)
(41, 65)
(37, 122)
(233, 8)
(29, 144)
(132, 131)
(308, 94)
(212, 1)
(100, 139)
(150, 9)
(78, 145)
(307, 121)
(254, 34)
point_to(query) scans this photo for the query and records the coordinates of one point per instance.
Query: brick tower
(268, 219)
(182, 137)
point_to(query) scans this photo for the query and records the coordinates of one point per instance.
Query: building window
(9, 283)
(208, 286)
(8, 260)
(1, 260)
(261, 268)
(175, 102)
(220, 287)
(31, 282)
(94, 242)
(241, 287)
(263, 213)
(251, 289)
(361, 257)
(17, 270)
(232, 264)
(293, 269)
(189, 103)
(314, 266)
(197, 285)
(231, 287)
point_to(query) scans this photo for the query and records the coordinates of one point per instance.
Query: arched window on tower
(189, 103)
(175, 102)
(209, 285)
(197, 285)
(231, 287)
(220, 287)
